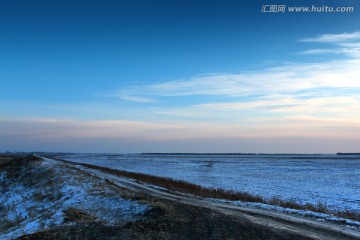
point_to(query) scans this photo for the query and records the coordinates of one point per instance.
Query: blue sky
(178, 76)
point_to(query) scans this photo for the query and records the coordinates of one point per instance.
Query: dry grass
(4, 161)
(6, 158)
(186, 187)
(77, 215)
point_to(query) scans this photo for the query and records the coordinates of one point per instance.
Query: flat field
(328, 179)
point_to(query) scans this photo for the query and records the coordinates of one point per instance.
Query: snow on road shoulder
(37, 195)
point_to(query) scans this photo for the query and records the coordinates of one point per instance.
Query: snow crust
(25, 209)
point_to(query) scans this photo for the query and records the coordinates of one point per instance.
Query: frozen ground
(330, 179)
(37, 197)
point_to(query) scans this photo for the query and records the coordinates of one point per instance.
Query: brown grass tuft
(77, 215)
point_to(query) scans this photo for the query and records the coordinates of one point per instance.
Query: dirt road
(223, 218)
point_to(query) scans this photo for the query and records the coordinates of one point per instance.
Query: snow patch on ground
(28, 206)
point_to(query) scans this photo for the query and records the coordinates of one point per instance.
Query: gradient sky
(178, 76)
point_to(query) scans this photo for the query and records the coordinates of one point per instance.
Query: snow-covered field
(330, 179)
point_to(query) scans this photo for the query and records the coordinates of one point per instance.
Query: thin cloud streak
(347, 44)
(333, 38)
(331, 112)
(136, 99)
(337, 105)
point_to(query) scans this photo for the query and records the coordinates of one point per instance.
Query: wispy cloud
(334, 38)
(136, 98)
(346, 43)
(324, 51)
(275, 110)
(199, 85)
